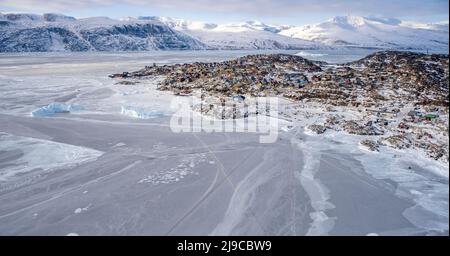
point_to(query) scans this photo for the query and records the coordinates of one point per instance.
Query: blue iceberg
(55, 108)
(140, 113)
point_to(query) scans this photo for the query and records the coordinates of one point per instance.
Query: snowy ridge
(56, 32)
(374, 32)
(235, 36)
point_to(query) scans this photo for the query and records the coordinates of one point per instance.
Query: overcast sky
(295, 12)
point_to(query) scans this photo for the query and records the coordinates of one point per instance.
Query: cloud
(269, 8)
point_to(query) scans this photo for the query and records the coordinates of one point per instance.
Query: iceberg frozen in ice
(54, 108)
(140, 113)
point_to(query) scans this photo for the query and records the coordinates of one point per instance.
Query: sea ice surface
(175, 174)
(426, 183)
(261, 191)
(39, 155)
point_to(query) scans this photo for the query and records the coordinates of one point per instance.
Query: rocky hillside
(382, 76)
(387, 99)
(426, 77)
(51, 32)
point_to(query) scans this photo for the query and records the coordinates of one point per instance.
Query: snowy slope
(225, 37)
(245, 35)
(439, 26)
(53, 32)
(374, 32)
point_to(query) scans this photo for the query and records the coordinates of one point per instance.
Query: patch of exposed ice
(419, 178)
(55, 108)
(317, 192)
(431, 194)
(40, 155)
(72, 234)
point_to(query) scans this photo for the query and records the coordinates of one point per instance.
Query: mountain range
(20, 32)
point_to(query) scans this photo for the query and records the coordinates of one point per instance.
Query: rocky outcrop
(317, 129)
(353, 127)
(396, 141)
(370, 145)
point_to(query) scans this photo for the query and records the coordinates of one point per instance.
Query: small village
(392, 99)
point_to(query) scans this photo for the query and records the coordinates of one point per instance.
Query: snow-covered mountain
(54, 32)
(245, 35)
(347, 31)
(374, 32)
